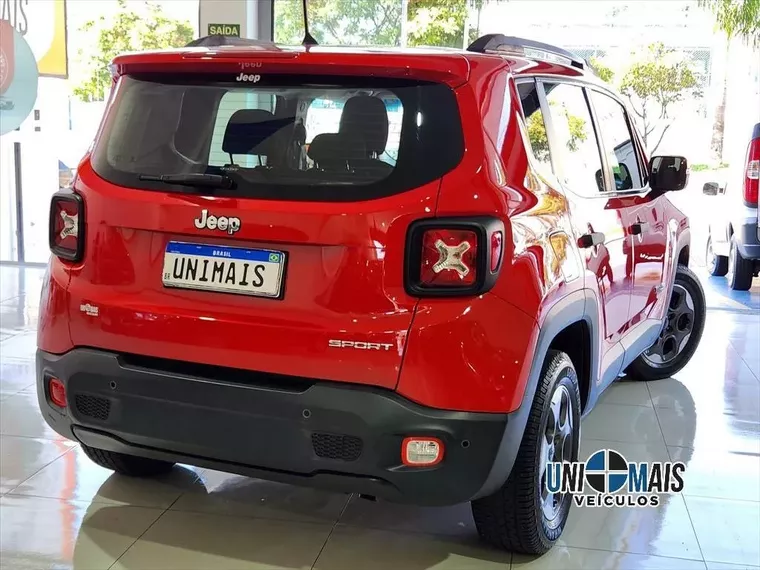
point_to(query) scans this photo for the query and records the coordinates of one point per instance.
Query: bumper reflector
(421, 451)
(57, 392)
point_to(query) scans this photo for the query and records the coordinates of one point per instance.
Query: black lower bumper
(321, 434)
(748, 239)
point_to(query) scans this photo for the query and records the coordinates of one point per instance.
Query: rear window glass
(296, 138)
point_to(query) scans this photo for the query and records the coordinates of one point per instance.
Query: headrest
(366, 117)
(336, 147)
(251, 131)
(299, 133)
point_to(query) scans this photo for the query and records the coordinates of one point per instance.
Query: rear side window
(618, 142)
(534, 123)
(315, 138)
(577, 148)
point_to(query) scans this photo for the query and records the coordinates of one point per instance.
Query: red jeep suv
(400, 273)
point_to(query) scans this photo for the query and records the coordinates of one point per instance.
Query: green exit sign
(224, 30)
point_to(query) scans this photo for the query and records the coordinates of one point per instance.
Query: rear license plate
(224, 269)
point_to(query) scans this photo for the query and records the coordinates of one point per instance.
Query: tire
(513, 518)
(658, 361)
(131, 465)
(740, 270)
(717, 265)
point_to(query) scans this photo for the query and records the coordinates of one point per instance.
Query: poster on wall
(18, 79)
(42, 24)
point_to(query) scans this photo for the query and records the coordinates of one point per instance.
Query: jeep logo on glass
(221, 223)
(252, 78)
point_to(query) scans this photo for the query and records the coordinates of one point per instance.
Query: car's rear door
(643, 212)
(598, 220)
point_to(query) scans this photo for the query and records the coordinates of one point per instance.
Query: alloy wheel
(676, 330)
(556, 445)
(711, 259)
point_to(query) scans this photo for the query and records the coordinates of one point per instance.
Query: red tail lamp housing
(752, 173)
(449, 258)
(497, 249)
(66, 225)
(57, 392)
(453, 256)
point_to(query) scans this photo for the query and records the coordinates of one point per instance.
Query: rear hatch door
(258, 221)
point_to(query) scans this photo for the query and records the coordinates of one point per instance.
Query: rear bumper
(748, 238)
(327, 435)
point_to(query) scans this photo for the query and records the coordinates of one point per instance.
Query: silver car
(733, 243)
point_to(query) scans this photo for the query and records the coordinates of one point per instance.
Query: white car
(733, 243)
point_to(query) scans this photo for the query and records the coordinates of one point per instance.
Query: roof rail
(499, 43)
(217, 40)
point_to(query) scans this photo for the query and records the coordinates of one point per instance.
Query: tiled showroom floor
(58, 510)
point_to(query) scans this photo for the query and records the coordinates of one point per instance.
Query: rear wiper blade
(198, 180)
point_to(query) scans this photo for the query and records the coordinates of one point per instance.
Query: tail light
(497, 245)
(67, 225)
(453, 256)
(449, 258)
(752, 173)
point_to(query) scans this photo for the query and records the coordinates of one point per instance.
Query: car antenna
(308, 39)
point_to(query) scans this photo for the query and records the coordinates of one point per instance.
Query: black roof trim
(492, 43)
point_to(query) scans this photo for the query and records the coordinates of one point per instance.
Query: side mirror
(711, 189)
(668, 173)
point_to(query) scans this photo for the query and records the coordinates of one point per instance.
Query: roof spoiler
(510, 45)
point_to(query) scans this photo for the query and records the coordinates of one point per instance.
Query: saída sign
(224, 30)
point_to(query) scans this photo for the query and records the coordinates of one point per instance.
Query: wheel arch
(575, 341)
(576, 311)
(683, 246)
(683, 255)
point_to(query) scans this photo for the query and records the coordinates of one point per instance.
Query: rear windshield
(290, 138)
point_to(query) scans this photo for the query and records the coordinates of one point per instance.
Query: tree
(437, 22)
(737, 18)
(342, 22)
(539, 141)
(375, 22)
(653, 85)
(126, 31)
(602, 71)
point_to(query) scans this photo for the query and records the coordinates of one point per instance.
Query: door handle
(591, 240)
(638, 228)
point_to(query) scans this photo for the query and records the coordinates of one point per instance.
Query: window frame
(585, 86)
(521, 80)
(554, 143)
(634, 140)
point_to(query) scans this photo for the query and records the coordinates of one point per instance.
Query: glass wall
(73, 41)
(615, 34)
(620, 39)
(449, 23)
